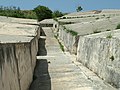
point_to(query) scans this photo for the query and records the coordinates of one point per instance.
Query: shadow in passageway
(41, 78)
(41, 45)
(42, 33)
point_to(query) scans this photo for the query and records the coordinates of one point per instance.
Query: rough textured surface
(85, 28)
(104, 12)
(16, 65)
(68, 40)
(99, 41)
(56, 70)
(47, 23)
(101, 55)
(92, 27)
(78, 20)
(18, 50)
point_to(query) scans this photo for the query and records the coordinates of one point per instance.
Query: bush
(43, 12)
(97, 18)
(108, 17)
(112, 58)
(64, 17)
(118, 26)
(79, 8)
(73, 32)
(17, 12)
(108, 30)
(57, 14)
(109, 36)
(96, 31)
(55, 19)
(61, 46)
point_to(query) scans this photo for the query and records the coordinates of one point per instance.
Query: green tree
(79, 8)
(43, 12)
(57, 14)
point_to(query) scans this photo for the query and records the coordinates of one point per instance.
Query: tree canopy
(57, 13)
(79, 8)
(43, 12)
(13, 11)
(40, 12)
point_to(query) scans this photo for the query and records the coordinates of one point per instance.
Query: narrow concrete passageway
(56, 70)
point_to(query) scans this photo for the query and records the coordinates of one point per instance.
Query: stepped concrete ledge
(70, 33)
(108, 12)
(57, 70)
(18, 50)
(15, 30)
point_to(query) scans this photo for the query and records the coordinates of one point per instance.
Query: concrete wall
(101, 25)
(17, 62)
(99, 53)
(102, 56)
(69, 41)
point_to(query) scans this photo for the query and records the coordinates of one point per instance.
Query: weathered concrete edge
(14, 74)
(101, 55)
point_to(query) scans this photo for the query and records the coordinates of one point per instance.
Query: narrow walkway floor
(56, 70)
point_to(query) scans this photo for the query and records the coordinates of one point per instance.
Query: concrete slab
(47, 21)
(101, 25)
(106, 12)
(112, 33)
(14, 39)
(17, 30)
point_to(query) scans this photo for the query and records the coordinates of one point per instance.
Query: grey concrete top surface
(15, 39)
(78, 17)
(98, 25)
(111, 11)
(81, 13)
(113, 33)
(94, 12)
(16, 30)
(78, 20)
(47, 21)
(17, 20)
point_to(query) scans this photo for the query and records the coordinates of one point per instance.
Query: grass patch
(108, 17)
(64, 18)
(97, 18)
(73, 32)
(64, 27)
(103, 15)
(112, 58)
(62, 23)
(61, 46)
(118, 26)
(96, 31)
(109, 36)
(108, 30)
(55, 19)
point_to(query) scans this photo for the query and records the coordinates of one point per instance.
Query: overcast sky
(64, 5)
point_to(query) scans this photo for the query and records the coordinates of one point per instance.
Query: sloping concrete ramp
(56, 70)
